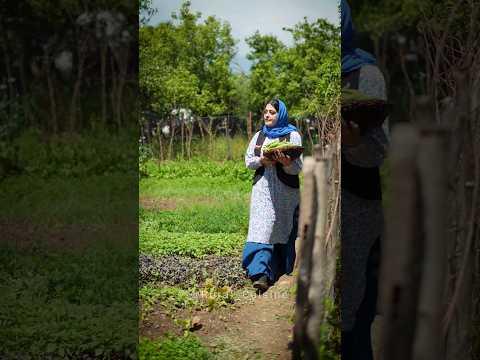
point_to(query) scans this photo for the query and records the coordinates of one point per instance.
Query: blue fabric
(282, 127)
(352, 58)
(271, 260)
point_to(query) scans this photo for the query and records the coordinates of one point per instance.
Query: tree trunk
(8, 67)
(103, 66)
(172, 135)
(123, 67)
(182, 135)
(51, 94)
(78, 83)
(114, 90)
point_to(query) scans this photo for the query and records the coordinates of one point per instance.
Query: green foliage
(306, 76)
(146, 10)
(185, 63)
(71, 155)
(64, 310)
(193, 244)
(96, 200)
(378, 18)
(330, 334)
(173, 348)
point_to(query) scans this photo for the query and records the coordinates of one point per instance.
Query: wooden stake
(320, 281)
(308, 209)
(399, 276)
(249, 125)
(433, 181)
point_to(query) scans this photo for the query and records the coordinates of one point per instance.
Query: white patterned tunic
(272, 203)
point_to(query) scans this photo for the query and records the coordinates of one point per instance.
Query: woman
(361, 211)
(270, 248)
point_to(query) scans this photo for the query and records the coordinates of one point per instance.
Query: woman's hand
(283, 159)
(266, 162)
(350, 133)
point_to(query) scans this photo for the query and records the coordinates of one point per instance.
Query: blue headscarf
(352, 58)
(282, 127)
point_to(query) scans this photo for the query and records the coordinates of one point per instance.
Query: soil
(27, 235)
(152, 203)
(257, 326)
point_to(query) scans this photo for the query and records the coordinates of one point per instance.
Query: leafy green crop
(173, 348)
(194, 244)
(193, 188)
(228, 170)
(278, 144)
(58, 305)
(230, 218)
(170, 297)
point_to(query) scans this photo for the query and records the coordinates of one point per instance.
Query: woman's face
(270, 115)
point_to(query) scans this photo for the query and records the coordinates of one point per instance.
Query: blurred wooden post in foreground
(317, 253)
(413, 260)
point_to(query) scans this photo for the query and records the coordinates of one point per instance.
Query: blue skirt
(271, 260)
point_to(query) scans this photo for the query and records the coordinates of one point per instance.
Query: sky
(247, 16)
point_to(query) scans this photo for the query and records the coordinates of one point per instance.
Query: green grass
(173, 348)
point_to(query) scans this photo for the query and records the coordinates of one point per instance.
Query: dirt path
(257, 327)
(260, 327)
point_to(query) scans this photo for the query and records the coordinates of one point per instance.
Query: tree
(306, 75)
(200, 51)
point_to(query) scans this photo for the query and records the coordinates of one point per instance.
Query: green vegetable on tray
(364, 110)
(286, 147)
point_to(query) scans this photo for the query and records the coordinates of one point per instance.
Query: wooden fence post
(400, 273)
(308, 209)
(317, 256)
(433, 180)
(249, 125)
(319, 278)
